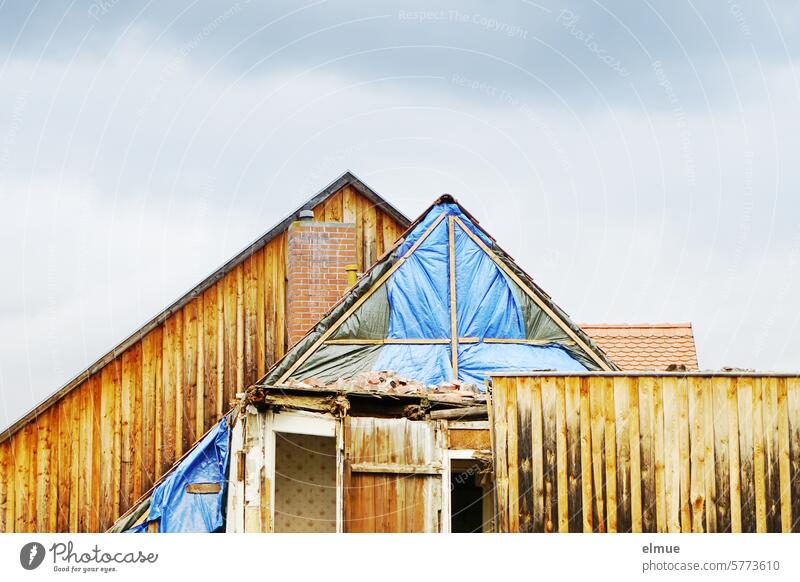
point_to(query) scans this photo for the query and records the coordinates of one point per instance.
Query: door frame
(311, 424)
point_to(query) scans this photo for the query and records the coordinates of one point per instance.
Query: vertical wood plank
(130, 453)
(647, 447)
(388, 232)
(793, 408)
(210, 356)
(188, 404)
(260, 315)
(685, 458)
(30, 511)
(784, 463)
(635, 455)
(744, 397)
(53, 468)
(721, 453)
(378, 234)
(759, 462)
(349, 205)
(200, 395)
(513, 460)
(42, 467)
(22, 485)
(561, 457)
(537, 448)
(226, 321)
(499, 397)
(610, 453)
(280, 297)
(359, 221)
(168, 397)
(151, 422)
(697, 450)
(5, 479)
(596, 404)
(370, 243)
(116, 470)
(770, 394)
(661, 481)
(672, 450)
(10, 480)
(573, 436)
(525, 454)
(709, 456)
(86, 475)
(65, 439)
(733, 457)
(179, 392)
(586, 457)
(549, 451)
(75, 469)
(94, 519)
(622, 408)
(108, 399)
(270, 302)
(240, 339)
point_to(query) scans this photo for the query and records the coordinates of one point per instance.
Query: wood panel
(130, 478)
(393, 501)
(5, 480)
(107, 420)
(469, 439)
(659, 453)
(188, 408)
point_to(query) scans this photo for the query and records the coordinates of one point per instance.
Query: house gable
(110, 433)
(446, 304)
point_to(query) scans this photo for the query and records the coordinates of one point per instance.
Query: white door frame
(449, 456)
(304, 423)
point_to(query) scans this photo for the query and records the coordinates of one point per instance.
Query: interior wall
(305, 484)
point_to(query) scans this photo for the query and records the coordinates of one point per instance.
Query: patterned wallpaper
(305, 483)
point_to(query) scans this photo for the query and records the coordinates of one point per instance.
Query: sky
(640, 160)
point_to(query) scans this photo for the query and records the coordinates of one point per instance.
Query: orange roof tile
(646, 347)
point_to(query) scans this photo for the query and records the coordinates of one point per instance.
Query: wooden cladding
(393, 475)
(90, 455)
(667, 453)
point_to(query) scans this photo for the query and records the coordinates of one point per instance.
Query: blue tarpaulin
(486, 307)
(181, 512)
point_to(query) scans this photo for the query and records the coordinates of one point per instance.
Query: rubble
(388, 382)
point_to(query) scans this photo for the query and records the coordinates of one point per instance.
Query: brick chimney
(319, 254)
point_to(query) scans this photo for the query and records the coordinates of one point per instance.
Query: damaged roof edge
(346, 179)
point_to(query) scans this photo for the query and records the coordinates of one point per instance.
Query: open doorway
(304, 474)
(305, 483)
(470, 501)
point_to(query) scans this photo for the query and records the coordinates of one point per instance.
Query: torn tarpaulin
(179, 511)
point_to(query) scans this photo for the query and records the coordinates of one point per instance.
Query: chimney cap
(305, 214)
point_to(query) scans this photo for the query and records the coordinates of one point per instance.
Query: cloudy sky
(640, 160)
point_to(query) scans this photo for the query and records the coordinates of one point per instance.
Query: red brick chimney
(319, 253)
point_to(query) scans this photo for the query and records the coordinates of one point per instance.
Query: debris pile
(387, 382)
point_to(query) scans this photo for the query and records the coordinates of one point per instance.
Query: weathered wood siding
(660, 453)
(393, 475)
(84, 460)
